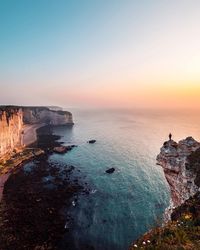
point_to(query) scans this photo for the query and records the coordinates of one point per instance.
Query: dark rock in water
(60, 150)
(91, 141)
(110, 170)
(86, 191)
(63, 149)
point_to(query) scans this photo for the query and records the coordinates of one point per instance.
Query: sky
(100, 53)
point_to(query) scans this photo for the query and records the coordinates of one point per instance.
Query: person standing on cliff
(170, 136)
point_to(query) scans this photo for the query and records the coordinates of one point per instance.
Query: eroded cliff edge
(14, 121)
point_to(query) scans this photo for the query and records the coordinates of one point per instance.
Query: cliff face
(33, 115)
(12, 120)
(180, 164)
(11, 123)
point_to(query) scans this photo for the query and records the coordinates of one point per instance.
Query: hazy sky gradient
(100, 53)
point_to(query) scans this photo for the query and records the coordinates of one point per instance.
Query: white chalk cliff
(11, 124)
(13, 119)
(33, 115)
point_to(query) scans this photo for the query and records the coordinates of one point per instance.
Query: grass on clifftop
(183, 232)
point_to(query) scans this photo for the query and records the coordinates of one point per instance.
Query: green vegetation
(9, 164)
(182, 232)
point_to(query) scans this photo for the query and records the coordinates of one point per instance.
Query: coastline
(47, 189)
(30, 133)
(12, 161)
(15, 162)
(31, 136)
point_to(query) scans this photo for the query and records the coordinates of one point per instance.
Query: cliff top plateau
(38, 108)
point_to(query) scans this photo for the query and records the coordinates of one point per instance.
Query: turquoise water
(127, 203)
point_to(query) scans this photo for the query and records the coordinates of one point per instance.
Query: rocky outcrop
(63, 149)
(180, 164)
(91, 141)
(11, 123)
(13, 120)
(33, 115)
(110, 170)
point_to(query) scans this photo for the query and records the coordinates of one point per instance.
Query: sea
(127, 203)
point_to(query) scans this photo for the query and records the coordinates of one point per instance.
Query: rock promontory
(180, 163)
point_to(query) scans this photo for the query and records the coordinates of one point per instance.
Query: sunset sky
(100, 53)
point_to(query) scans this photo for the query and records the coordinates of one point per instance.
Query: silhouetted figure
(170, 136)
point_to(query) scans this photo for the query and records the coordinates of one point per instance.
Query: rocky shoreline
(33, 199)
(10, 165)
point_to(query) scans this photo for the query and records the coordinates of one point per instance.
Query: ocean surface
(123, 205)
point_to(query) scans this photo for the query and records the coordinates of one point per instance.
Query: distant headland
(18, 126)
(19, 123)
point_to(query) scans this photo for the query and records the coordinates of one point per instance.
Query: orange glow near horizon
(148, 96)
(130, 55)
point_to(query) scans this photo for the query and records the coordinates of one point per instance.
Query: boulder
(91, 141)
(63, 149)
(110, 170)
